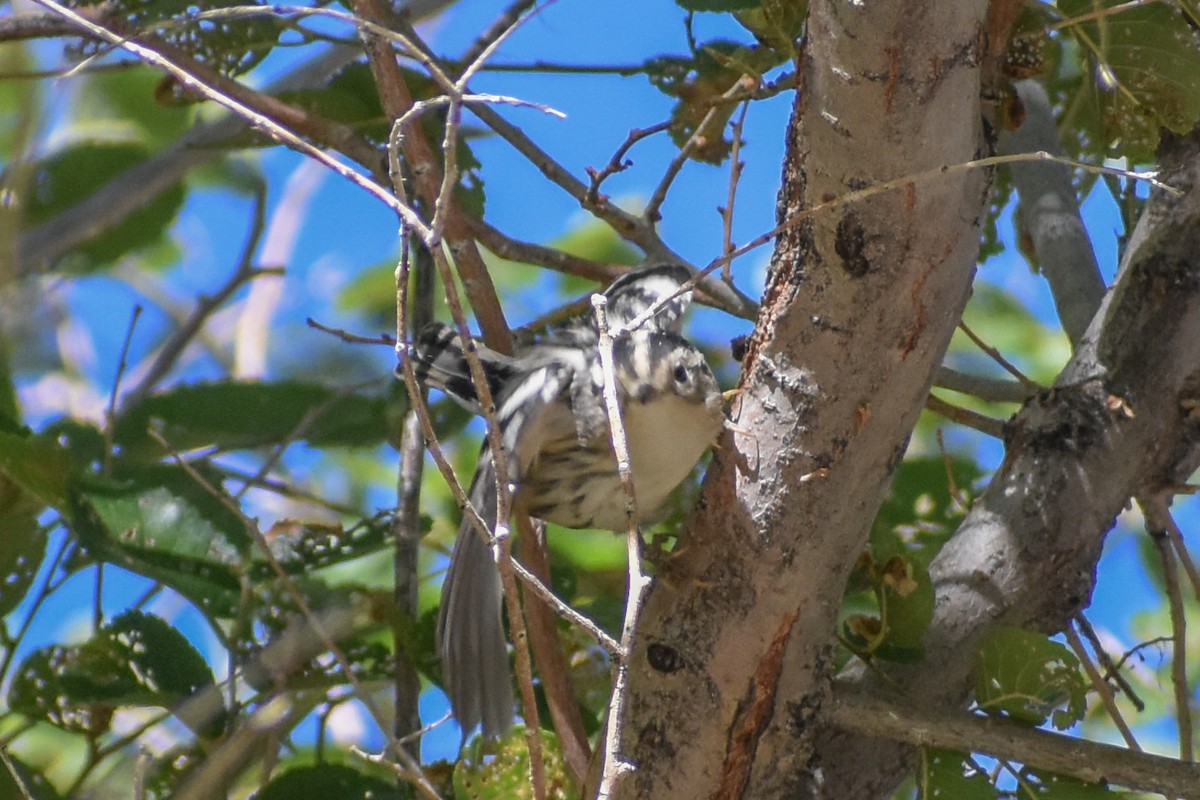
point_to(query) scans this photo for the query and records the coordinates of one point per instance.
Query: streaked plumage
(560, 460)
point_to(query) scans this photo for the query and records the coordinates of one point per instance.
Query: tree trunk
(733, 654)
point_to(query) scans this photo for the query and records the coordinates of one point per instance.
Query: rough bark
(859, 309)
(1115, 425)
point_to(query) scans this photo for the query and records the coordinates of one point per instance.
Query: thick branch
(1049, 214)
(1026, 553)
(1092, 762)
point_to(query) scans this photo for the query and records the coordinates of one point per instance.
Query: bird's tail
(470, 633)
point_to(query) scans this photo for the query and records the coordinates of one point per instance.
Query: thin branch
(994, 390)
(433, 180)
(110, 414)
(999, 358)
(1179, 677)
(1102, 688)
(1181, 551)
(627, 226)
(245, 272)
(614, 767)
(618, 162)
(203, 81)
(499, 28)
(735, 174)
(548, 653)
(659, 195)
(564, 610)
(964, 416)
(416, 776)
(1087, 761)
(1111, 669)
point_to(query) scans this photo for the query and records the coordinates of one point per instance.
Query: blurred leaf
(1060, 787)
(233, 415)
(776, 23)
(22, 545)
(1145, 63)
(136, 660)
(37, 465)
(498, 769)
(74, 173)
(1026, 676)
(325, 781)
(19, 780)
(920, 512)
(118, 103)
(906, 596)
(947, 775)
(301, 547)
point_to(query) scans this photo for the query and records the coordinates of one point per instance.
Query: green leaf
(906, 598)
(1061, 787)
(778, 23)
(498, 769)
(37, 465)
(1145, 64)
(948, 775)
(120, 104)
(136, 660)
(158, 522)
(1026, 676)
(74, 173)
(163, 507)
(233, 415)
(22, 545)
(920, 512)
(324, 781)
(17, 779)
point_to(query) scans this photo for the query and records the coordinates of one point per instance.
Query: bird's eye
(681, 373)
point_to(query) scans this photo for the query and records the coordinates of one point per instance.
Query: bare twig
(1102, 688)
(998, 357)
(659, 195)
(350, 338)
(1181, 551)
(433, 180)
(171, 350)
(110, 414)
(609, 644)
(614, 767)
(972, 419)
(499, 28)
(735, 174)
(1179, 677)
(1111, 669)
(618, 162)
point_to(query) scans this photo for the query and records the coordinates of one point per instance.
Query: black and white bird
(559, 454)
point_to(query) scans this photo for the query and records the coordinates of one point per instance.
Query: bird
(559, 455)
